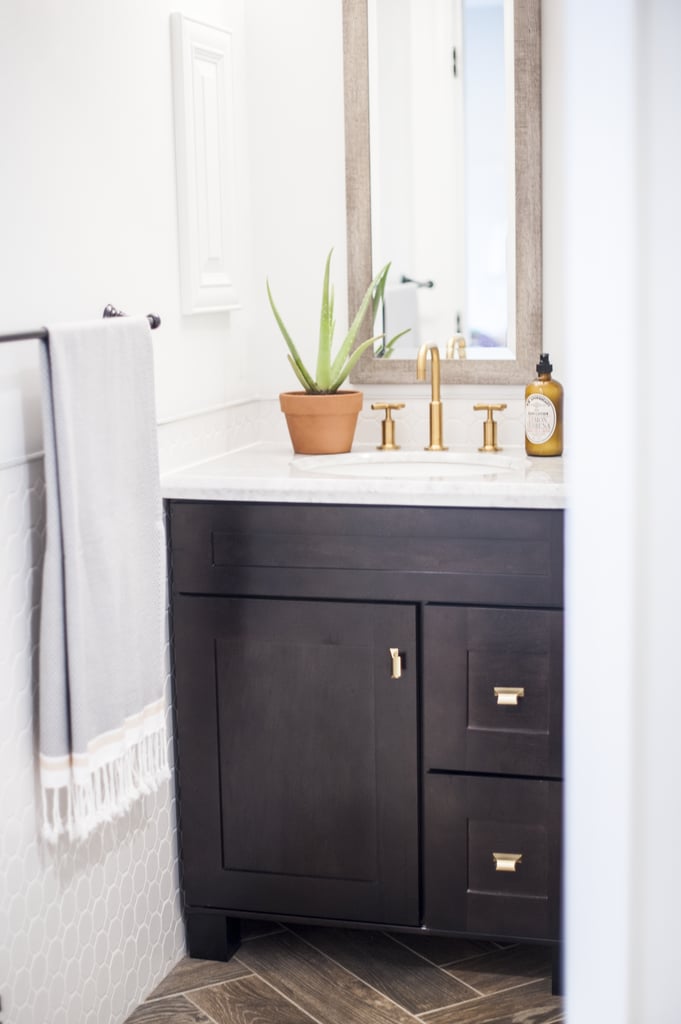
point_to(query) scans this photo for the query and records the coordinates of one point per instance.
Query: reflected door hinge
(454, 64)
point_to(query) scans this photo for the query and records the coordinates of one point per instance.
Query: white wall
(87, 196)
(296, 142)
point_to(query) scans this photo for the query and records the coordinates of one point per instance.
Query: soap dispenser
(544, 412)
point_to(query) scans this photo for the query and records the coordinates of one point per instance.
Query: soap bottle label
(540, 418)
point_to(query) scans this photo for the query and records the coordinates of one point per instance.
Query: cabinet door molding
(297, 752)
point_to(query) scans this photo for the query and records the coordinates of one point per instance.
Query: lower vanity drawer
(492, 856)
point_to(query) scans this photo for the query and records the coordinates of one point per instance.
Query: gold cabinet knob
(489, 427)
(397, 663)
(388, 425)
(509, 694)
(506, 861)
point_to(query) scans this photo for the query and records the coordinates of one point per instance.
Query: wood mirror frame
(528, 206)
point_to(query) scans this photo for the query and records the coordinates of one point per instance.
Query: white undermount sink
(419, 465)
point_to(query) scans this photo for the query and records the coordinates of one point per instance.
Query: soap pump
(544, 412)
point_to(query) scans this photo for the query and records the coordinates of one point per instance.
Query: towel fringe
(107, 791)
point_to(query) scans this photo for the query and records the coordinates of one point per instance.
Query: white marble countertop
(271, 472)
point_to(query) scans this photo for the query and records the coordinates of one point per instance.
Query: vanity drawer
(469, 820)
(493, 684)
(460, 555)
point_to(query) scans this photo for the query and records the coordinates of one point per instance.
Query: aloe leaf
(302, 375)
(380, 288)
(326, 326)
(349, 340)
(289, 341)
(386, 349)
(348, 366)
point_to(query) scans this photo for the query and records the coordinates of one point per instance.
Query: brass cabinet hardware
(506, 861)
(397, 663)
(489, 427)
(509, 694)
(388, 425)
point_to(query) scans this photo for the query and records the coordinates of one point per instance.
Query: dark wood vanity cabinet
(368, 715)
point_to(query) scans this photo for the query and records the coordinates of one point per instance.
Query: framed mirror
(502, 325)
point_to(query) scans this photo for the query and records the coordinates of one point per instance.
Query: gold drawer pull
(509, 694)
(506, 861)
(397, 663)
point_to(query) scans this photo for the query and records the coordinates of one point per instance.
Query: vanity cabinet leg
(557, 970)
(212, 936)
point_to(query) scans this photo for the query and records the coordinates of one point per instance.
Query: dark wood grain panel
(298, 775)
(529, 1004)
(189, 974)
(318, 985)
(251, 1001)
(478, 556)
(174, 1010)
(411, 981)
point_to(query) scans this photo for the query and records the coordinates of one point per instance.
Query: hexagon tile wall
(86, 932)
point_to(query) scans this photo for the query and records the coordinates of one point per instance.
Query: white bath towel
(401, 313)
(101, 683)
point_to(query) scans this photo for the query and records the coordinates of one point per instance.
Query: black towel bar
(41, 333)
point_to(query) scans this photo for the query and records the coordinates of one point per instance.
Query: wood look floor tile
(318, 985)
(174, 1010)
(441, 950)
(504, 969)
(411, 981)
(189, 974)
(247, 1001)
(529, 1004)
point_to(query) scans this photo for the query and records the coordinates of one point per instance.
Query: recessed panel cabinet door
(297, 743)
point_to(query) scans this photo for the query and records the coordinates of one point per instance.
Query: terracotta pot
(321, 424)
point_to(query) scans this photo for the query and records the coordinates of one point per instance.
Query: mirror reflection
(443, 179)
(442, 172)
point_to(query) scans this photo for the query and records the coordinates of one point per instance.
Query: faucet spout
(436, 444)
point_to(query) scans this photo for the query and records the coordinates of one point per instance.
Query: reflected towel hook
(419, 284)
(153, 318)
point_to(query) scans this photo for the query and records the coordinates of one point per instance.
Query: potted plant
(321, 418)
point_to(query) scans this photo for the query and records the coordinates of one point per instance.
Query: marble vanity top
(271, 472)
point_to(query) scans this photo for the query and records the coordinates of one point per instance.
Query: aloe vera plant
(331, 370)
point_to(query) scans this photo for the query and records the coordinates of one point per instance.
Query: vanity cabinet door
(493, 688)
(298, 757)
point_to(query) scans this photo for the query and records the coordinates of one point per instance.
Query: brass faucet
(456, 344)
(436, 444)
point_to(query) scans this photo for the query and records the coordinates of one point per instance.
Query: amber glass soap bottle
(544, 412)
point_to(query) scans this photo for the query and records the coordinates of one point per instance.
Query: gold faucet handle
(388, 425)
(489, 427)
